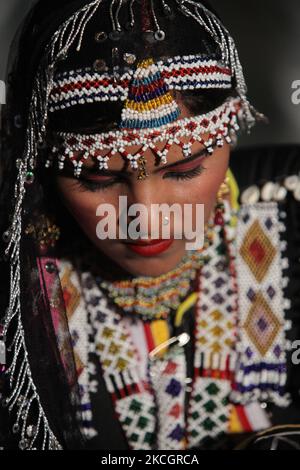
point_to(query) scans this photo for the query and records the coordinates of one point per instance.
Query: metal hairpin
(132, 19)
(118, 26)
(166, 8)
(181, 340)
(159, 34)
(111, 14)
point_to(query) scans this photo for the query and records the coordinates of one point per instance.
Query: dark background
(267, 33)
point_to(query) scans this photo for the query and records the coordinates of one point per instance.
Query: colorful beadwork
(215, 333)
(215, 126)
(179, 73)
(122, 367)
(75, 308)
(149, 103)
(137, 391)
(167, 380)
(262, 344)
(153, 298)
(209, 409)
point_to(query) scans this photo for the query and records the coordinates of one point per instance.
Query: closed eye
(184, 175)
(96, 185)
(101, 182)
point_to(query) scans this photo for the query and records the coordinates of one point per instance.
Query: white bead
(250, 195)
(297, 192)
(267, 191)
(279, 193)
(291, 182)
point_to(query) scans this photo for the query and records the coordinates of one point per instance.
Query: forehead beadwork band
(208, 129)
(150, 114)
(191, 72)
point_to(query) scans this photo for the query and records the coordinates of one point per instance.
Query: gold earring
(45, 232)
(223, 191)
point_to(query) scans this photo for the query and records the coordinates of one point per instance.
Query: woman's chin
(151, 266)
(120, 260)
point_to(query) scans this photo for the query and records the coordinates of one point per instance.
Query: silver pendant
(2, 356)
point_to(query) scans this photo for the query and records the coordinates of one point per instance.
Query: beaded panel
(209, 411)
(168, 380)
(262, 344)
(217, 304)
(76, 312)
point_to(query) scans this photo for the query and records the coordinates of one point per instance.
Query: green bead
(127, 421)
(208, 424)
(195, 415)
(142, 422)
(29, 179)
(212, 389)
(198, 398)
(223, 418)
(210, 406)
(134, 437)
(149, 437)
(135, 406)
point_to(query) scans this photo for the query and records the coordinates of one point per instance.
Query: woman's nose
(144, 192)
(143, 199)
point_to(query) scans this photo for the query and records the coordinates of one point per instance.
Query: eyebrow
(193, 157)
(93, 170)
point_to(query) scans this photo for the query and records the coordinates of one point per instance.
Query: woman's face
(191, 181)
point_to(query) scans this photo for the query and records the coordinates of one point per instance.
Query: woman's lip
(148, 242)
(150, 249)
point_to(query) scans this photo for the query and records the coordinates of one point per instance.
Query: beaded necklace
(153, 298)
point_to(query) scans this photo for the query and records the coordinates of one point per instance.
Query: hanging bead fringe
(24, 393)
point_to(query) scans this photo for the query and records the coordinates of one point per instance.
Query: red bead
(219, 219)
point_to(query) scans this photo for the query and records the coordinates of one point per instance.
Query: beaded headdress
(145, 86)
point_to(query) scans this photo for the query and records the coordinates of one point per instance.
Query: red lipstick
(150, 247)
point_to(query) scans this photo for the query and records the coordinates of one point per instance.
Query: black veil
(50, 355)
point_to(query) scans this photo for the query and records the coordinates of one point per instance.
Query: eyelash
(183, 175)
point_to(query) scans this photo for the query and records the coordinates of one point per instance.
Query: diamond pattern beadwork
(262, 325)
(168, 382)
(136, 414)
(257, 251)
(262, 344)
(75, 309)
(209, 411)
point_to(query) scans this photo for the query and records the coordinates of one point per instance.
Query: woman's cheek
(83, 206)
